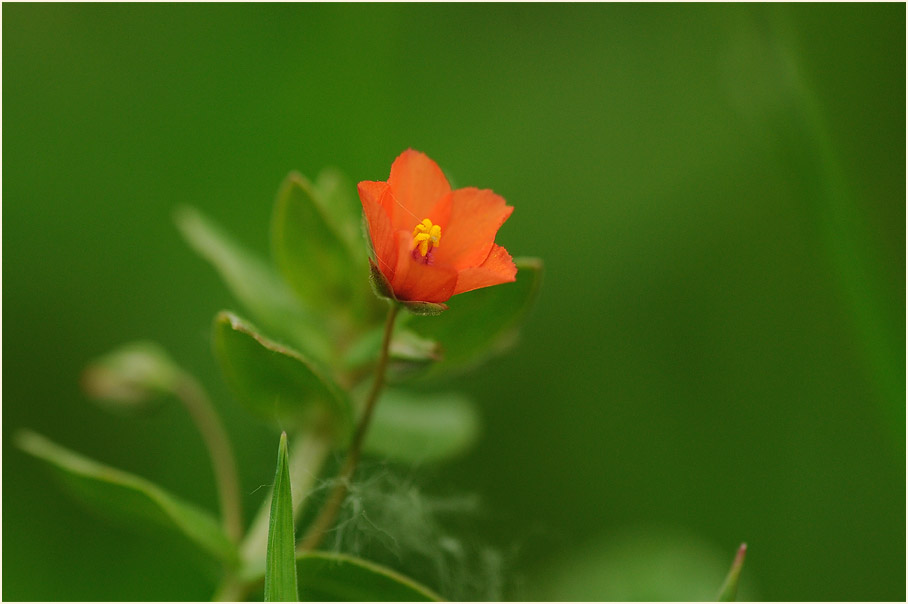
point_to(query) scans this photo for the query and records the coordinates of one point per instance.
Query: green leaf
(280, 564)
(276, 382)
(337, 578)
(130, 497)
(408, 353)
(729, 589)
(484, 321)
(422, 427)
(309, 251)
(254, 283)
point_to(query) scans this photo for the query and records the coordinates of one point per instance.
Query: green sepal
(325, 577)
(278, 383)
(379, 283)
(424, 309)
(280, 563)
(422, 427)
(383, 289)
(482, 322)
(255, 284)
(129, 497)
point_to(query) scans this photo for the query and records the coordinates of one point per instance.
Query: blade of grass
(280, 559)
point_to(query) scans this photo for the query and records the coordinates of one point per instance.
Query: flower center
(425, 237)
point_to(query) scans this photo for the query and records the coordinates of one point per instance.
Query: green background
(718, 193)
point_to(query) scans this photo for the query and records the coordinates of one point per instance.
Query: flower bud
(131, 378)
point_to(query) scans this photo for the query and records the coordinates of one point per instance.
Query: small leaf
(280, 564)
(484, 321)
(308, 250)
(254, 283)
(130, 497)
(730, 587)
(276, 382)
(131, 378)
(407, 346)
(337, 578)
(422, 427)
(408, 353)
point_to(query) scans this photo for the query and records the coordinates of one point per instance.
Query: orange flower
(430, 242)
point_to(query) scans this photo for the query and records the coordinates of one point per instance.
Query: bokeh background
(718, 193)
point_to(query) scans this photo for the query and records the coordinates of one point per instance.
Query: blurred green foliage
(718, 193)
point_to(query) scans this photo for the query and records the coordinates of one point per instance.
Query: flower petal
(467, 238)
(417, 183)
(417, 281)
(498, 268)
(376, 198)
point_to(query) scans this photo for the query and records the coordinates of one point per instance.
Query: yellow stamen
(426, 236)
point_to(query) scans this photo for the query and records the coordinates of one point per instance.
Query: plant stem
(329, 510)
(231, 589)
(209, 425)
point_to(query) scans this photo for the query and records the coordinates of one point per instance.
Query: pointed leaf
(482, 322)
(254, 284)
(422, 427)
(130, 497)
(308, 250)
(276, 382)
(730, 587)
(382, 288)
(336, 577)
(280, 563)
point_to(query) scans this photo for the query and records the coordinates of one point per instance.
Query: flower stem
(209, 425)
(329, 510)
